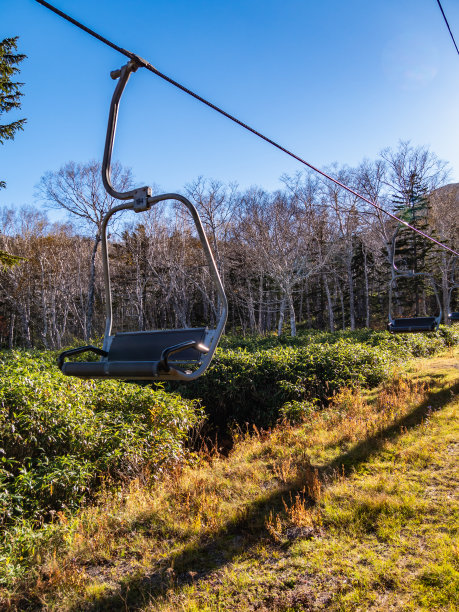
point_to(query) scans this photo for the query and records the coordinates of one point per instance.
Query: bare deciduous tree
(78, 189)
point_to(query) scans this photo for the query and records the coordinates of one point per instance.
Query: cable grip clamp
(141, 197)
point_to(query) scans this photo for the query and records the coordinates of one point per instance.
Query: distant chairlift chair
(411, 324)
(146, 355)
(453, 316)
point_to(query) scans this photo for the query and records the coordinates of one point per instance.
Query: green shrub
(243, 386)
(60, 436)
(261, 379)
(296, 411)
(412, 345)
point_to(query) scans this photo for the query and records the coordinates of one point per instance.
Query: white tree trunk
(331, 319)
(281, 316)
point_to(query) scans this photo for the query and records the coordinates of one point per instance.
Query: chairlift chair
(452, 314)
(146, 355)
(399, 325)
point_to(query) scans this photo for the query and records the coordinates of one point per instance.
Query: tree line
(309, 253)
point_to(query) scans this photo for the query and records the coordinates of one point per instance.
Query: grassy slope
(356, 509)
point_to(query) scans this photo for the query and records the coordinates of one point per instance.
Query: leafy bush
(261, 379)
(414, 345)
(243, 386)
(60, 436)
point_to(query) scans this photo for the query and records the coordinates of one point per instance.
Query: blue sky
(330, 80)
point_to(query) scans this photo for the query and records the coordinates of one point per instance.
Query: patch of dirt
(309, 593)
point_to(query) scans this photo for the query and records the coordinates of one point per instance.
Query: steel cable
(145, 64)
(447, 25)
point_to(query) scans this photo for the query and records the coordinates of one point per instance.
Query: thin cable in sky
(447, 25)
(144, 64)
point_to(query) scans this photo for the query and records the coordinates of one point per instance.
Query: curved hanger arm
(212, 268)
(453, 274)
(454, 286)
(204, 242)
(394, 279)
(140, 194)
(395, 269)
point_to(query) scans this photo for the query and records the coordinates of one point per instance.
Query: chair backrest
(149, 345)
(413, 324)
(414, 321)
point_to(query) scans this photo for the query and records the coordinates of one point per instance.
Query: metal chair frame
(198, 344)
(411, 324)
(453, 315)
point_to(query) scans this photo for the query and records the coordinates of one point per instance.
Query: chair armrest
(77, 351)
(177, 348)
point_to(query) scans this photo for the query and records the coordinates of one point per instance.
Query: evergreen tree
(10, 94)
(412, 250)
(10, 99)
(8, 261)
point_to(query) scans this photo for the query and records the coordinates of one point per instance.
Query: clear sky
(332, 80)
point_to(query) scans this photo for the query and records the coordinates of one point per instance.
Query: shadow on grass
(363, 451)
(210, 553)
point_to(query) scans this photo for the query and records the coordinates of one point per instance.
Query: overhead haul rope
(447, 25)
(144, 64)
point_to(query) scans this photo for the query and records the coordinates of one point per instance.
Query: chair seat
(413, 325)
(453, 316)
(137, 355)
(132, 370)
